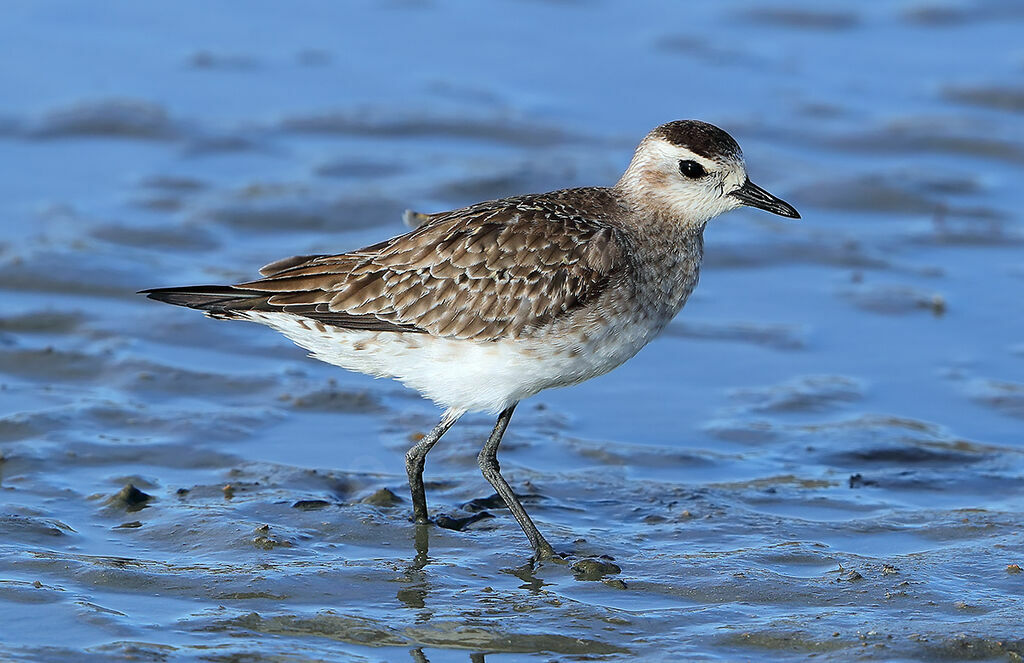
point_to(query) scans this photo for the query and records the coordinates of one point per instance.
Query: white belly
(465, 375)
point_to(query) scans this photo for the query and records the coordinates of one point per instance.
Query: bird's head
(693, 171)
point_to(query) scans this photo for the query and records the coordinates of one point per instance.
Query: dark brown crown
(701, 138)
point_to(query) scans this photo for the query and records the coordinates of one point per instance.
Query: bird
(481, 307)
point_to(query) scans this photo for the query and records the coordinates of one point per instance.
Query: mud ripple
(378, 123)
(925, 134)
(110, 118)
(1005, 396)
(354, 168)
(174, 238)
(69, 273)
(43, 322)
(983, 231)
(515, 179)
(788, 245)
(776, 336)
(894, 299)
(205, 59)
(708, 50)
(809, 393)
(801, 18)
(360, 630)
(31, 528)
(869, 193)
(256, 209)
(334, 400)
(864, 438)
(998, 98)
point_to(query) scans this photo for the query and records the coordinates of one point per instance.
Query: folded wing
(486, 272)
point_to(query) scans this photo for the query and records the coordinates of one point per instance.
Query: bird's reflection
(415, 583)
(527, 572)
(419, 657)
(421, 540)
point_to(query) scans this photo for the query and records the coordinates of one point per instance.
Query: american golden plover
(481, 307)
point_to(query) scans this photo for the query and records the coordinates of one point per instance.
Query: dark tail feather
(225, 301)
(216, 299)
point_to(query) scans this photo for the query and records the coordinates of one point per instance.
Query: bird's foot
(459, 524)
(588, 567)
(594, 568)
(545, 553)
(583, 568)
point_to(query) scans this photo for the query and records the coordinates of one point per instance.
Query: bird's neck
(658, 225)
(672, 251)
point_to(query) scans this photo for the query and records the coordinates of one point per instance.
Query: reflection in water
(419, 657)
(806, 411)
(415, 581)
(414, 594)
(526, 573)
(422, 543)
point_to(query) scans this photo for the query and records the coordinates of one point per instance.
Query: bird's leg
(488, 459)
(417, 456)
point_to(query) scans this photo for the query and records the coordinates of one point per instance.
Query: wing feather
(494, 270)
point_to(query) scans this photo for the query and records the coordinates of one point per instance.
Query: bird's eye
(692, 169)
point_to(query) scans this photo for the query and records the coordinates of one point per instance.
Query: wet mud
(822, 457)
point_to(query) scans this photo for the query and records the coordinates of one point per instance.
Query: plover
(481, 307)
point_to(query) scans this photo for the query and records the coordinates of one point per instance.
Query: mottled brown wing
(491, 271)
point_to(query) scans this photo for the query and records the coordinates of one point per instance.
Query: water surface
(822, 456)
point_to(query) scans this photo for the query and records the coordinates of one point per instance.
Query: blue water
(822, 456)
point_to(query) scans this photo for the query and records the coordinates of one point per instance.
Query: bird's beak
(754, 196)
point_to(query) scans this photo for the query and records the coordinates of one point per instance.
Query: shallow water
(822, 456)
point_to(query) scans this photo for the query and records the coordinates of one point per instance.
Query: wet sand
(822, 457)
